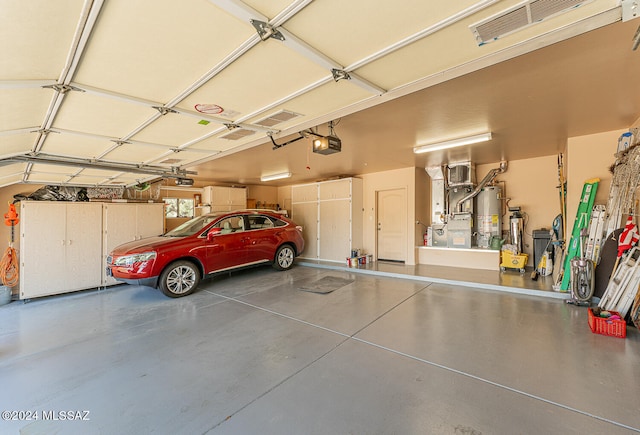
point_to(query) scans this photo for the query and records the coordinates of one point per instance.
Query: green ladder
(583, 217)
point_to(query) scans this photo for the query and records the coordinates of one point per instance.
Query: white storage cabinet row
(330, 214)
(222, 198)
(64, 245)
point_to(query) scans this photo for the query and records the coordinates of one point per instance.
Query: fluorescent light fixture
(453, 143)
(275, 176)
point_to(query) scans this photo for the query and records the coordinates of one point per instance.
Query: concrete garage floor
(250, 353)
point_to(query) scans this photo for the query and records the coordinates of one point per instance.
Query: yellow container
(511, 261)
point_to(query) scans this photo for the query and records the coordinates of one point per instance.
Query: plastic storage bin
(605, 326)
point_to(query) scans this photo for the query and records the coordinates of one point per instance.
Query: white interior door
(392, 224)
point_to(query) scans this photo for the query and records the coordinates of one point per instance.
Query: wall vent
(277, 118)
(520, 16)
(237, 133)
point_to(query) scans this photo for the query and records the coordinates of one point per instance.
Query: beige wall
(263, 194)
(530, 184)
(589, 157)
(6, 196)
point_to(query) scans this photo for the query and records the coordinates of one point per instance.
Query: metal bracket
(276, 146)
(630, 9)
(44, 131)
(120, 142)
(63, 89)
(164, 110)
(266, 30)
(340, 74)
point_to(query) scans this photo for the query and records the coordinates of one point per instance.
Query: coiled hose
(9, 267)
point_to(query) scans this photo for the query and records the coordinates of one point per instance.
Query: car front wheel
(284, 257)
(179, 279)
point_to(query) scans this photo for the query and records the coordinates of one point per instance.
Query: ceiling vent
(519, 17)
(237, 133)
(277, 118)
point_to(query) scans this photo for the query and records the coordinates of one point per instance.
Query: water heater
(489, 215)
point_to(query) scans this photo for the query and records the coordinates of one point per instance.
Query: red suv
(177, 261)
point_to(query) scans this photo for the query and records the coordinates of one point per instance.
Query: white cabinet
(63, 245)
(304, 193)
(330, 213)
(222, 198)
(125, 222)
(60, 247)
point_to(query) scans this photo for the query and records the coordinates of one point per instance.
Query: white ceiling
(107, 92)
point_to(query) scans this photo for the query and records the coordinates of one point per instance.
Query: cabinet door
(149, 220)
(335, 230)
(304, 193)
(238, 197)
(207, 194)
(335, 189)
(42, 248)
(306, 215)
(219, 195)
(84, 246)
(119, 226)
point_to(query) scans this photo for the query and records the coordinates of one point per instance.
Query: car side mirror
(212, 233)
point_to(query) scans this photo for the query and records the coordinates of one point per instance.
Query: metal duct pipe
(491, 175)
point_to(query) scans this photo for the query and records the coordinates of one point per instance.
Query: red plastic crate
(604, 326)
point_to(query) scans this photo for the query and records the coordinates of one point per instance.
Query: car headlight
(128, 260)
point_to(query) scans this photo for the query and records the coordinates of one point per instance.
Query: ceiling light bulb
(275, 176)
(453, 143)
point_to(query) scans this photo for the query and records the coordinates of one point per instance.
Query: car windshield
(192, 226)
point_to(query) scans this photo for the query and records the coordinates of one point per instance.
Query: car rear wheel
(179, 279)
(284, 257)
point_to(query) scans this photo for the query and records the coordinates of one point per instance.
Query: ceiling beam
(51, 159)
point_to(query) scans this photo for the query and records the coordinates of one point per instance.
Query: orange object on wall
(11, 217)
